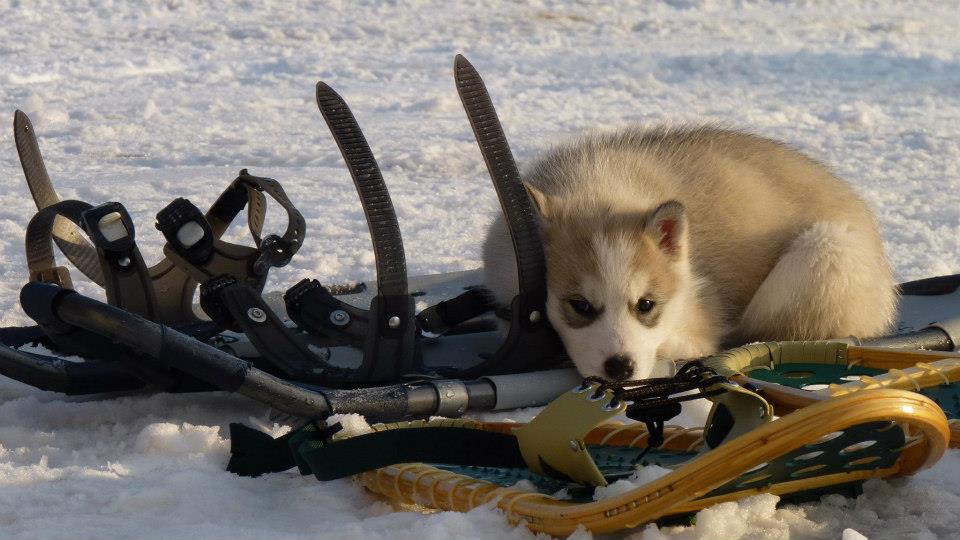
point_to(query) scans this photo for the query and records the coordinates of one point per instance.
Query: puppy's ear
(667, 225)
(541, 201)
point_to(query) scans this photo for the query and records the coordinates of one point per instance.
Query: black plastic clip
(111, 231)
(187, 231)
(275, 252)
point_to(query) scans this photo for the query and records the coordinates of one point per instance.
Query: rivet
(339, 317)
(256, 315)
(124, 261)
(393, 322)
(535, 316)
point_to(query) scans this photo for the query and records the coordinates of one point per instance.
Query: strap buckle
(275, 252)
(56, 276)
(110, 228)
(186, 230)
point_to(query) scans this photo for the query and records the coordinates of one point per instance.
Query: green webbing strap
(771, 354)
(447, 445)
(253, 452)
(314, 452)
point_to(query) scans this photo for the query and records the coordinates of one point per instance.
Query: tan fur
(776, 246)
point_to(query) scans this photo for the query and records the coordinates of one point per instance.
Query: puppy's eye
(581, 306)
(645, 305)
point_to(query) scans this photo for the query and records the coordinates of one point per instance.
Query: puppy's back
(746, 197)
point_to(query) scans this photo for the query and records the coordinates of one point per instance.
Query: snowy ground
(144, 103)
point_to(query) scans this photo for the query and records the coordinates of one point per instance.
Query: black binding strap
(444, 316)
(193, 239)
(377, 206)
(276, 251)
(236, 305)
(389, 351)
(70, 240)
(315, 309)
(520, 215)
(126, 278)
(531, 343)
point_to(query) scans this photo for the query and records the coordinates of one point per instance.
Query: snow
(145, 101)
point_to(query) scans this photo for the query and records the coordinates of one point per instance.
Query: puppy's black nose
(618, 367)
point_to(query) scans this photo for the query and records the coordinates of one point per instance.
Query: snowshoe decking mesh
(801, 375)
(947, 396)
(615, 462)
(797, 375)
(870, 446)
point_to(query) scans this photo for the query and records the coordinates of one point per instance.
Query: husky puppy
(671, 243)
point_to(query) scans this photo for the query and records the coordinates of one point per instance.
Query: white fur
(774, 247)
(618, 332)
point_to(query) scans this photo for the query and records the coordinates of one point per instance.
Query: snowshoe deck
(831, 446)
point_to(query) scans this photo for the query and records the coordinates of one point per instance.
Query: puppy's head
(613, 283)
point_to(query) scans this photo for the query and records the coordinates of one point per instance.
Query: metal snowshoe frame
(131, 352)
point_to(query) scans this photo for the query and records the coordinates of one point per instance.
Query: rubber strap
(41, 264)
(248, 190)
(377, 206)
(69, 239)
(447, 314)
(277, 343)
(316, 310)
(126, 277)
(520, 215)
(247, 264)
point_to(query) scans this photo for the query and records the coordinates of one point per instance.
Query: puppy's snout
(618, 367)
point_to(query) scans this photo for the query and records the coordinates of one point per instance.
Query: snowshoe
(798, 374)
(551, 474)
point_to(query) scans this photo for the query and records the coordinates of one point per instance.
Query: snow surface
(145, 101)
